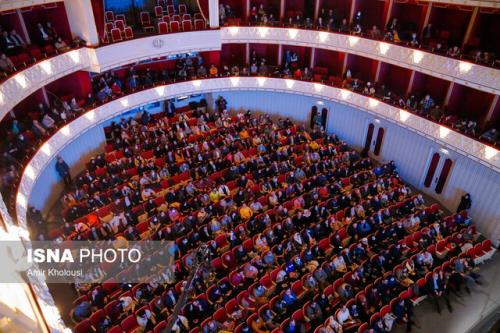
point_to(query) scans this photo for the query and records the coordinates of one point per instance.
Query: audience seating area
(167, 18)
(401, 32)
(291, 218)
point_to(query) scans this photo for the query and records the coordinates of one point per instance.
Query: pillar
(410, 83)
(448, 94)
(213, 13)
(81, 20)
(24, 31)
(470, 27)
(313, 58)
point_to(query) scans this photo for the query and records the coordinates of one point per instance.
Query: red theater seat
(174, 26)
(146, 22)
(116, 35)
(186, 26)
(109, 16)
(163, 27)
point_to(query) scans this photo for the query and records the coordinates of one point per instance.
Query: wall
(409, 150)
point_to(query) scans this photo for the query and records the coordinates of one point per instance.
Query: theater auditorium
(275, 166)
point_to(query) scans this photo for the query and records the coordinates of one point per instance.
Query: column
(247, 54)
(448, 94)
(388, 12)
(313, 58)
(344, 65)
(410, 83)
(282, 10)
(316, 10)
(427, 16)
(24, 31)
(213, 13)
(491, 110)
(81, 20)
(470, 27)
(377, 72)
(280, 55)
(353, 9)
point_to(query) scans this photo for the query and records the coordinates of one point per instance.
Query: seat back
(163, 27)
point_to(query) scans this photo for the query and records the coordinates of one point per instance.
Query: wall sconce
(261, 80)
(464, 67)
(353, 40)
(404, 115)
(490, 152)
(235, 81)
(417, 56)
(383, 48)
(292, 33)
(234, 30)
(323, 35)
(443, 132)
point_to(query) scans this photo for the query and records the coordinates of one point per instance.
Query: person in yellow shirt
(215, 195)
(246, 212)
(314, 145)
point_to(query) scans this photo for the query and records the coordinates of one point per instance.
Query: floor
(478, 312)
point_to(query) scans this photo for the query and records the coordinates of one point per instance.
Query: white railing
(470, 74)
(26, 82)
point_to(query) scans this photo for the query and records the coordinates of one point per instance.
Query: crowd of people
(302, 232)
(25, 129)
(395, 31)
(45, 41)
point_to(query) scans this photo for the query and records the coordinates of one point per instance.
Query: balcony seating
(146, 22)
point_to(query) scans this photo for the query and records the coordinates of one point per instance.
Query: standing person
(62, 169)
(465, 203)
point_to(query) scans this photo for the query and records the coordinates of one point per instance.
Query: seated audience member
(294, 326)
(6, 65)
(7, 44)
(490, 136)
(42, 36)
(18, 40)
(375, 33)
(61, 45)
(426, 103)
